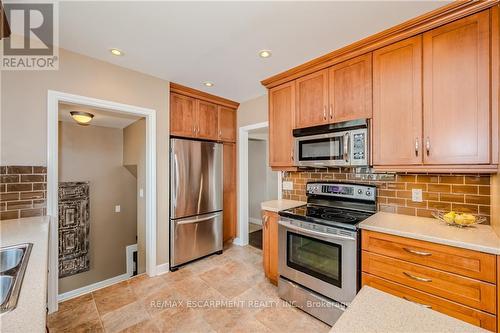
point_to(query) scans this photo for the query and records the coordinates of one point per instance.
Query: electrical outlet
(117, 208)
(141, 193)
(288, 186)
(416, 195)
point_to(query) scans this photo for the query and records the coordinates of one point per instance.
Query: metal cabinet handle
(428, 146)
(220, 132)
(324, 112)
(417, 278)
(416, 146)
(423, 305)
(331, 111)
(418, 253)
(265, 221)
(292, 155)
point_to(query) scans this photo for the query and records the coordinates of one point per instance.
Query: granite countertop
(30, 313)
(375, 311)
(480, 238)
(282, 204)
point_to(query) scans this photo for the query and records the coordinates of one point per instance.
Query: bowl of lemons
(460, 220)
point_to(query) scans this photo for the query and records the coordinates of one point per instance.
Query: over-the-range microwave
(340, 144)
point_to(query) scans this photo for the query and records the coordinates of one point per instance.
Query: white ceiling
(191, 42)
(103, 118)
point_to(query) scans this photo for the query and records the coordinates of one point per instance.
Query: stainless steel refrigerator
(195, 200)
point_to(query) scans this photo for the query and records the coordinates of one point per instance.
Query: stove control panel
(353, 191)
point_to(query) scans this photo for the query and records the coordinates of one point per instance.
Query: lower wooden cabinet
(229, 189)
(457, 282)
(270, 245)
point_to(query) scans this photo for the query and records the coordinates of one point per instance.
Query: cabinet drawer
(474, 293)
(467, 314)
(464, 262)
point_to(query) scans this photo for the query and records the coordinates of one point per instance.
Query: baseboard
(238, 241)
(162, 269)
(255, 221)
(92, 287)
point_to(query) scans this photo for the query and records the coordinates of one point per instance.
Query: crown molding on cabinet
(183, 90)
(430, 20)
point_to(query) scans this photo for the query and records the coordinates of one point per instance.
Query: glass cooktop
(329, 216)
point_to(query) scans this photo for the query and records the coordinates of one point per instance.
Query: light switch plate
(117, 208)
(288, 186)
(416, 195)
(141, 193)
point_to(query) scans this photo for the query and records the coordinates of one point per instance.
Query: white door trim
(53, 99)
(243, 215)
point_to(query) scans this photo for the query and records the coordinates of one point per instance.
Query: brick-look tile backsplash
(461, 193)
(22, 191)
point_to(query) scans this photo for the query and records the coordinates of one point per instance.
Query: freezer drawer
(196, 177)
(195, 237)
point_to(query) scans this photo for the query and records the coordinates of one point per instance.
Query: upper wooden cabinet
(457, 92)
(195, 114)
(350, 89)
(397, 103)
(182, 115)
(340, 93)
(281, 123)
(227, 124)
(312, 100)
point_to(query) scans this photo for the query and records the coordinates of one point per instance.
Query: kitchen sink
(13, 262)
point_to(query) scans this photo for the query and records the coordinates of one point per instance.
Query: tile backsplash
(458, 192)
(22, 191)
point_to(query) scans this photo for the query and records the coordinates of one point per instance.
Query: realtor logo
(34, 34)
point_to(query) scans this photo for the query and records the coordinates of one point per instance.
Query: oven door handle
(314, 233)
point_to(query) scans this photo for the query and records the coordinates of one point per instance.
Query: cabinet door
(270, 245)
(207, 114)
(227, 124)
(312, 99)
(457, 92)
(182, 115)
(397, 103)
(350, 89)
(229, 195)
(281, 121)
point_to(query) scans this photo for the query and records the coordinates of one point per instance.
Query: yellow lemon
(449, 217)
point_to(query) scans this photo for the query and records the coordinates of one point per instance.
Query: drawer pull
(423, 305)
(417, 278)
(418, 253)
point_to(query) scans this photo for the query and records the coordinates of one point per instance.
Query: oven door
(323, 262)
(323, 149)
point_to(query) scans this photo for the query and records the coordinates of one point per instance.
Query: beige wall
(95, 154)
(253, 111)
(134, 157)
(24, 114)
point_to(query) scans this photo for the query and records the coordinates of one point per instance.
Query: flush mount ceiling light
(208, 84)
(265, 53)
(82, 118)
(116, 52)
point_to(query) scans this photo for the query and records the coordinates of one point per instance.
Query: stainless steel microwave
(341, 144)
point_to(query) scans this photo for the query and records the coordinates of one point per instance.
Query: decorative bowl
(440, 216)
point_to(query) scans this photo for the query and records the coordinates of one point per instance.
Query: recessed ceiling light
(116, 52)
(265, 53)
(208, 84)
(82, 118)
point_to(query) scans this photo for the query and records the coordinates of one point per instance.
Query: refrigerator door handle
(176, 181)
(197, 220)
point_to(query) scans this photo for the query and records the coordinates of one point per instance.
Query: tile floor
(226, 293)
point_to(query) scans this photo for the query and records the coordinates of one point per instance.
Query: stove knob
(360, 191)
(368, 193)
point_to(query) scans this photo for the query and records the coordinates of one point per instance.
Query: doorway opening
(101, 193)
(257, 182)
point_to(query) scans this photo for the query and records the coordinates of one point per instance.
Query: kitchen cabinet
(397, 103)
(270, 245)
(229, 195)
(456, 85)
(207, 120)
(182, 115)
(227, 124)
(350, 89)
(281, 123)
(458, 282)
(312, 100)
